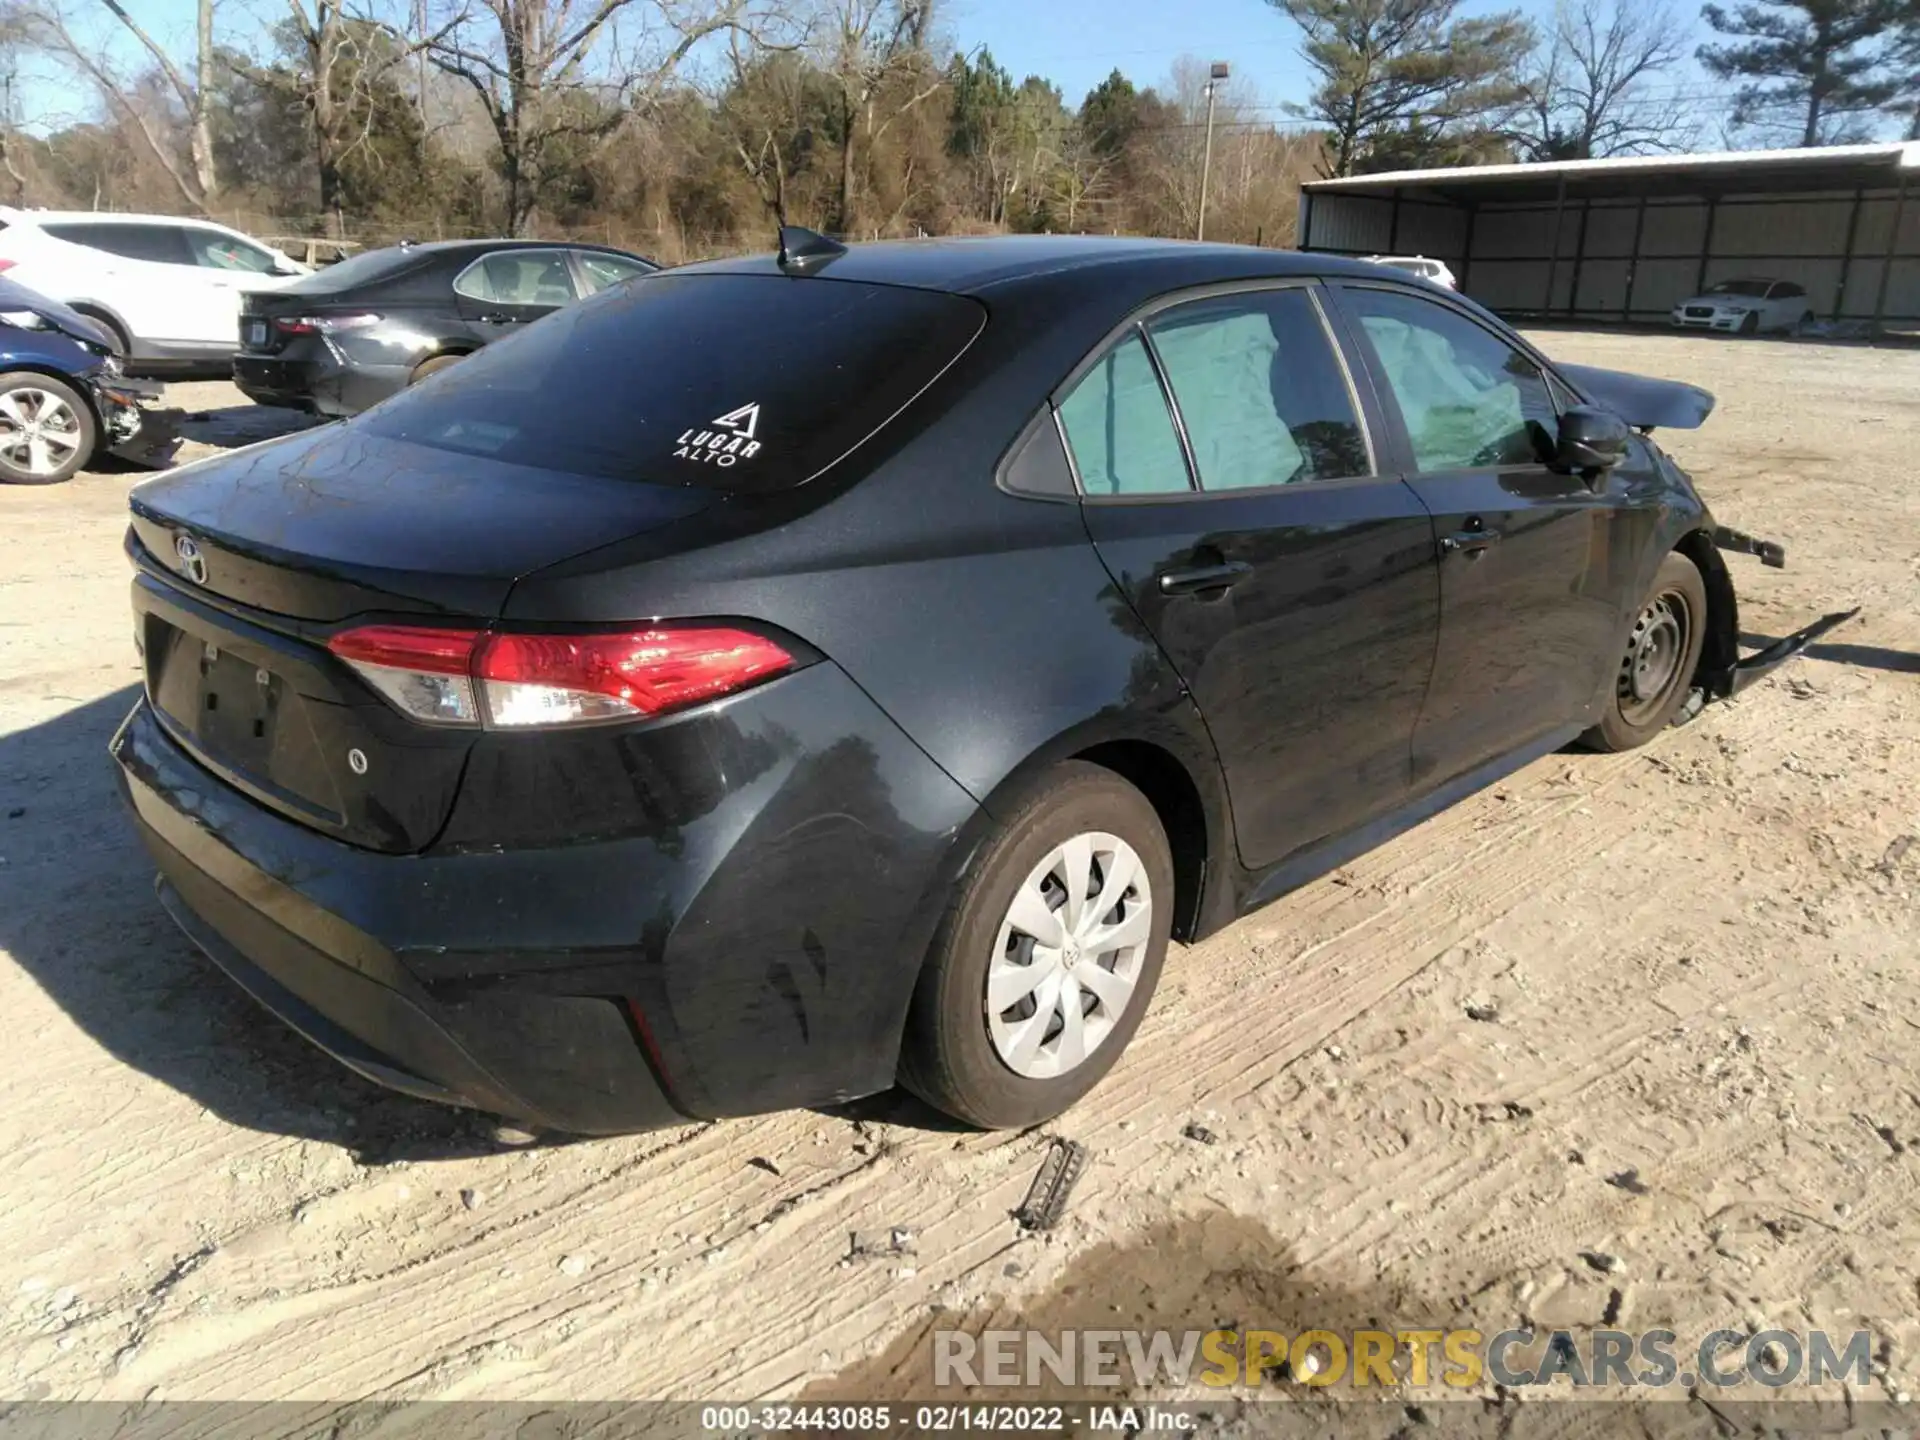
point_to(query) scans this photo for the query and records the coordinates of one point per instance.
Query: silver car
(1745, 307)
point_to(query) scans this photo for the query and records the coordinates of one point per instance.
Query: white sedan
(1745, 307)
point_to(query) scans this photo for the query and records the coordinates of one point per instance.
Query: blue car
(63, 398)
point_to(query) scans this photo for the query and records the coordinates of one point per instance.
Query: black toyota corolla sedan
(782, 677)
(346, 337)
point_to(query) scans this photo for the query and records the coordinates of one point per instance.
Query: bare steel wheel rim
(1069, 955)
(38, 430)
(1650, 669)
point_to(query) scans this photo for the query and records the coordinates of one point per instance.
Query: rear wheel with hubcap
(1656, 665)
(1048, 956)
(46, 430)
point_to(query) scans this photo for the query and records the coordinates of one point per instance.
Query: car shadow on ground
(1874, 657)
(228, 427)
(78, 914)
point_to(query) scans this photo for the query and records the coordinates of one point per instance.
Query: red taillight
(540, 680)
(562, 679)
(322, 324)
(409, 647)
(6, 265)
(425, 673)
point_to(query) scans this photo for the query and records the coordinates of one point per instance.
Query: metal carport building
(1625, 239)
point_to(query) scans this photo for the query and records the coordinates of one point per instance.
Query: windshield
(733, 382)
(1755, 288)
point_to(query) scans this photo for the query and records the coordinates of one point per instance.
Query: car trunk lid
(250, 561)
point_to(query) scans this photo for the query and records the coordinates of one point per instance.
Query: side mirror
(1591, 439)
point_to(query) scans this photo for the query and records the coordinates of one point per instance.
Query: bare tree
(341, 55)
(867, 46)
(532, 63)
(44, 25)
(1078, 177)
(1590, 97)
(764, 112)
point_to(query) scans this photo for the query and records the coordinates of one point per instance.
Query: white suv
(167, 288)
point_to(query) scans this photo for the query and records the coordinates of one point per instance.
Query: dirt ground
(1627, 1039)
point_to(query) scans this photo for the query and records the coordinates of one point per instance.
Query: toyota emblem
(193, 564)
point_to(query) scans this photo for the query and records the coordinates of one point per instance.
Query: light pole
(1214, 77)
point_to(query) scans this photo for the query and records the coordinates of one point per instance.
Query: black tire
(17, 387)
(1750, 325)
(1646, 693)
(432, 367)
(1806, 319)
(949, 1057)
(117, 336)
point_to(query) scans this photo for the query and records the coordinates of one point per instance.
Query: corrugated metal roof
(1727, 171)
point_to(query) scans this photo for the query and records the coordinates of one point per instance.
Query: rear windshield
(356, 270)
(735, 382)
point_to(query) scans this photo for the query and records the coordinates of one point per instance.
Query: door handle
(1203, 578)
(1469, 543)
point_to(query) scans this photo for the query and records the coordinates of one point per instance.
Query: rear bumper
(324, 384)
(729, 953)
(344, 991)
(178, 358)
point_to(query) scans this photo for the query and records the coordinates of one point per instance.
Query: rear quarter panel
(982, 622)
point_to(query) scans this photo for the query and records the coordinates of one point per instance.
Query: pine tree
(1820, 62)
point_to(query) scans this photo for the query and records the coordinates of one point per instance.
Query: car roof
(15, 215)
(475, 247)
(976, 264)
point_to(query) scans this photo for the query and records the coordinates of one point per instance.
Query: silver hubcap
(38, 431)
(1069, 955)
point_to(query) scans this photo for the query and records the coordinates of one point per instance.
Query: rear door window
(1260, 391)
(161, 244)
(1120, 429)
(735, 382)
(519, 277)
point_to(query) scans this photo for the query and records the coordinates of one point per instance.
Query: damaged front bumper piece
(134, 430)
(1729, 680)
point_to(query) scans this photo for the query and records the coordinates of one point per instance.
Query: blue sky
(1075, 43)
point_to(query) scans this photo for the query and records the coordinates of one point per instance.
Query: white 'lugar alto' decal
(726, 440)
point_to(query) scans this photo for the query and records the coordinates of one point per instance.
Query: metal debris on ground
(897, 1241)
(1060, 1170)
(1194, 1130)
(1629, 1181)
